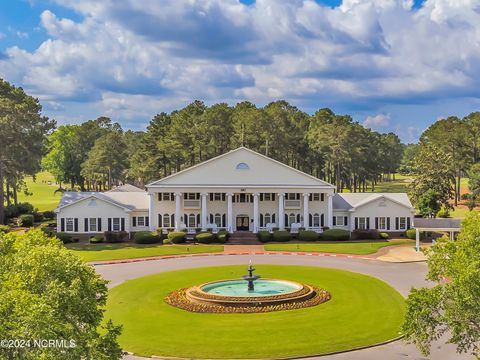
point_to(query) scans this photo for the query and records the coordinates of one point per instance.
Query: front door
(243, 223)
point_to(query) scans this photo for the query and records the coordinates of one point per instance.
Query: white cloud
(377, 121)
(2, 35)
(132, 60)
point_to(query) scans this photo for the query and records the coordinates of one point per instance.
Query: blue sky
(394, 65)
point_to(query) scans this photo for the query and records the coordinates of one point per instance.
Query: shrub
(25, 220)
(308, 235)
(166, 241)
(384, 235)
(38, 217)
(12, 210)
(364, 234)
(264, 236)
(48, 215)
(4, 229)
(64, 237)
(222, 237)
(466, 196)
(95, 239)
(223, 232)
(281, 236)
(115, 236)
(412, 234)
(443, 213)
(205, 237)
(177, 237)
(335, 235)
(146, 237)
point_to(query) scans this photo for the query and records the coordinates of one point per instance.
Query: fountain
(260, 295)
(250, 277)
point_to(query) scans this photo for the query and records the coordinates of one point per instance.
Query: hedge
(364, 234)
(176, 237)
(335, 235)
(412, 234)
(308, 235)
(64, 237)
(12, 210)
(282, 236)
(25, 220)
(146, 237)
(115, 236)
(95, 239)
(264, 236)
(205, 237)
(384, 235)
(38, 217)
(222, 237)
(48, 215)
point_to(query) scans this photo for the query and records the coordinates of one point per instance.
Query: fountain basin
(263, 287)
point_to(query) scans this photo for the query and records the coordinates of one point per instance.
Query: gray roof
(437, 223)
(126, 188)
(131, 200)
(347, 201)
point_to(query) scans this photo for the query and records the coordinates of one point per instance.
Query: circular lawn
(362, 311)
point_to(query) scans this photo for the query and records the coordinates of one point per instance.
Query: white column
(204, 211)
(281, 211)
(330, 211)
(151, 226)
(306, 218)
(230, 212)
(417, 239)
(178, 210)
(255, 213)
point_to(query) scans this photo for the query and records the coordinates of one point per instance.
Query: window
(402, 223)
(192, 196)
(217, 196)
(166, 220)
(115, 224)
(243, 198)
(242, 166)
(69, 224)
(292, 196)
(267, 218)
(192, 220)
(362, 223)
(339, 221)
(141, 221)
(316, 220)
(382, 223)
(218, 220)
(166, 197)
(316, 197)
(267, 197)
(92, 224)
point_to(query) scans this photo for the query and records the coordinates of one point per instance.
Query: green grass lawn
(344, 247)
(101, 252)
(42, 196)
(363, 310)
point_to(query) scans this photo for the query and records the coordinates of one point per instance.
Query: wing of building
(241, 190)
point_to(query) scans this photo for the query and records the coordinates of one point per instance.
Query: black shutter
(251, 198)
(396, 223)
(75, 222)
(109, 224)
(356, 223)
(322, 197)
(223, 220)
(273, 218)
(134, 221)
(310, 197)
(261, 219)
(322, 220)
(345, 220)
(334, 221)
(62, 224)
(99, 224)
(86, 225)
(211, 196)
(160, 220)
(198, 220)
(223, 196)
(123, 224)
(261, 199)
(368, 223)
(408, 222)
(388, 223)
(159, 196)
(310, 219)
(376, 223)
(273, 196)
(233, 198)
(172, 220)
(286, 220)
(197, 196)
(211, 218)
(147, 221)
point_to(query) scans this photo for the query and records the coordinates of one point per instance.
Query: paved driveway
(401, 276)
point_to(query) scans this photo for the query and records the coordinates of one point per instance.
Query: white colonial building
(241, 190)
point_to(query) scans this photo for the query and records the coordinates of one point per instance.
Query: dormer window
(242, 166)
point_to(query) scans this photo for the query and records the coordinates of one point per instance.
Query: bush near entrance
(335, 235)
(363, 234)
(308, 235)
(282, 236)
(115, 236)
(176, 237)
(146, 237)
(264, 236)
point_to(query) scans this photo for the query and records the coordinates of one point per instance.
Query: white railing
(317, 229)
(293, 204)
(191, 204)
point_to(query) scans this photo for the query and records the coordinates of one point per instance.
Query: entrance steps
(243, 238)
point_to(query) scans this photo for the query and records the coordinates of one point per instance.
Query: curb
(284, 253)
